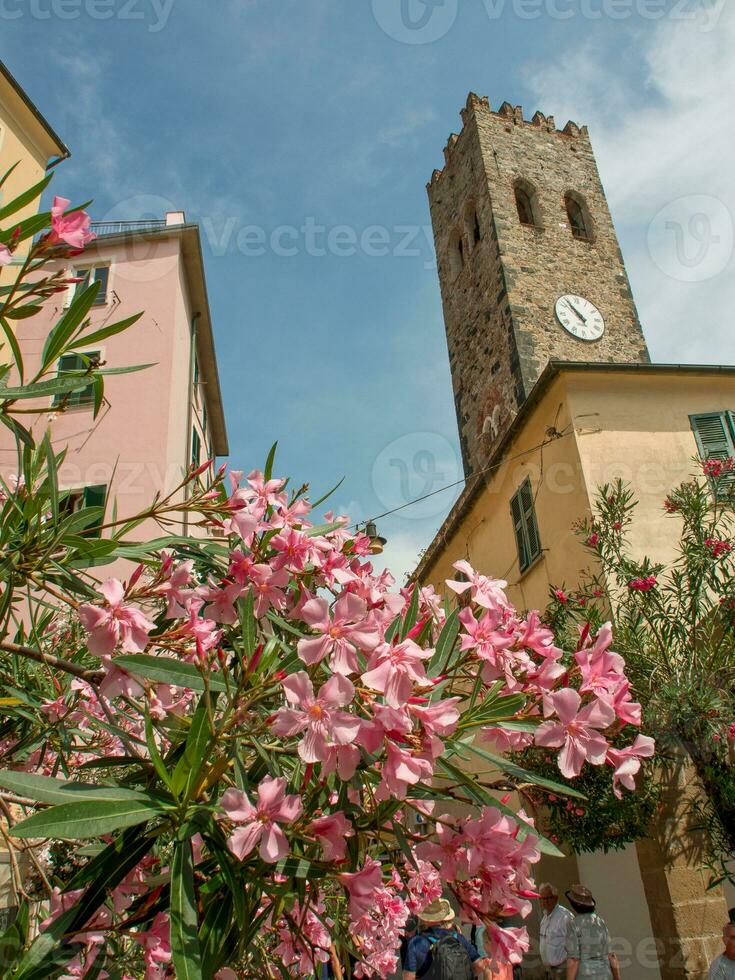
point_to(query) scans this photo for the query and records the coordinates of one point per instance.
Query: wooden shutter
(714, 434)
(529, 513)
(525, 526)
(196, 445)
(94, 496)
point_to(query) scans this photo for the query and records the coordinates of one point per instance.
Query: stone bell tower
(529, 265)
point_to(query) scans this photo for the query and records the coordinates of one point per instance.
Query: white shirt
(722, 969)
(554, 936)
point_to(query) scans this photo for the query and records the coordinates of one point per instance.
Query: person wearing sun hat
(589, 956)
(437, 937)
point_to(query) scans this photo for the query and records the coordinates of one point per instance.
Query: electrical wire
(553, 435)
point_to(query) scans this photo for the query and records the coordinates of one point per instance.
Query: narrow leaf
(167, 670)
(78, 821)
(185, 949)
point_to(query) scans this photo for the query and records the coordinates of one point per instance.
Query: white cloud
(661, 138)
(412, 122)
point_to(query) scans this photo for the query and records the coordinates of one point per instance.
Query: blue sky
(312, 126)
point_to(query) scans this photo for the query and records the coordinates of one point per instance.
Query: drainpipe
(190, 406)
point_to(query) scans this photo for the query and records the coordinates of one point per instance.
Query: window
(525, 527)
(527, 204)
(715, 435)
(578, 215)
(472, 225)
(196, 448)
(77, 362)
(456, 254)
(100, 274)
(76, 500)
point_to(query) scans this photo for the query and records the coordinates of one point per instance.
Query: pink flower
(261, 822)
(324, 725)
(401, 769)
(642, 584)
(718, 547)
(575, 731)
(627, 762)
(340, 633)
(561, 596)
(360, 886)
(716, 467)
(268, 588)
(332, 831)
(115, 622)
(5, 255)
(593, 540)
(156, 947)
(486, 592)
(74, 228)
(393, 669)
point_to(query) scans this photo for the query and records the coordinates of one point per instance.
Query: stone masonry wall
(499, 309)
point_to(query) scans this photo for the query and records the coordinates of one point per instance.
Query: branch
(93, 676)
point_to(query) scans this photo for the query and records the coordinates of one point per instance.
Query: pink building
(153, 423)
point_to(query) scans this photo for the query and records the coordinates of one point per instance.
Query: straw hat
(581, 896)
(437, 911)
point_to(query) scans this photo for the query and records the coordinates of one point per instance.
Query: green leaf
(22, 312)
(103, 874)
(512, 769)
(409, 620)
(167, 670)
(22, 230)
(445, 643)
(46, 789)
(328, 494)
(14, 346)
(63, 384)
(214, 931)
(185, 949)
(27, 197)
(85, 340)
(69, 322)
(158, 764)
(249, 624)
(268, 471)
(78, 821)
(195, 751)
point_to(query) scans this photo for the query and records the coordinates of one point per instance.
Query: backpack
(449, 960)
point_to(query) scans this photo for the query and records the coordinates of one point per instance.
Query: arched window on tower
(579, 217)
(456, 254)
(472, 225)
(527, 204)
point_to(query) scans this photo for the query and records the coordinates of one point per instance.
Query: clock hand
(576, 312)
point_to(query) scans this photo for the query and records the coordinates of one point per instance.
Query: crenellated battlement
(510, 114)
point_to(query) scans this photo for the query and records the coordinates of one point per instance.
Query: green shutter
(714, 434)
(516, 510)
(94, 496)
(525, 526)
(196, 446)
(76, 362)
(529, 513)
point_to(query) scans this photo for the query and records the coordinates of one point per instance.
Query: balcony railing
(119, 227)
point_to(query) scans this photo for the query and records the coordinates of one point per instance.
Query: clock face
(580, 318)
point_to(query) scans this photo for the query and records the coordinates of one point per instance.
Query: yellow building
(555, 395)
(26, 139)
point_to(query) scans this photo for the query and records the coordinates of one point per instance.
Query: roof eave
(552, 370)
(61, 149)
